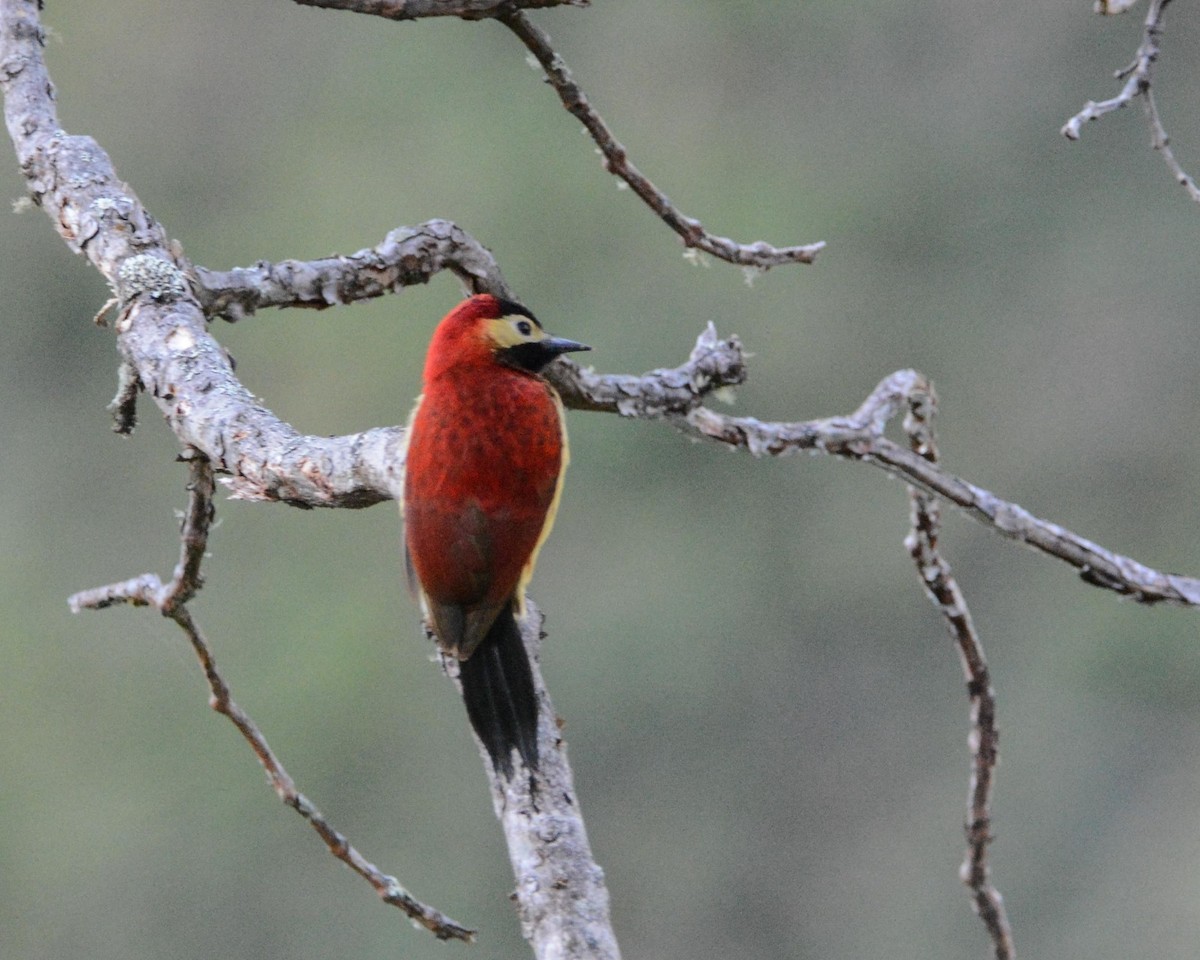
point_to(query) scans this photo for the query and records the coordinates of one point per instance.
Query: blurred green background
(766, 719)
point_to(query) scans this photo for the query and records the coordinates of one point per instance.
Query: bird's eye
(524, 328)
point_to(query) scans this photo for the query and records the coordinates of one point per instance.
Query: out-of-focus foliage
(766, 719)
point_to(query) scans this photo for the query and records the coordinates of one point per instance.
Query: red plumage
(484, 465)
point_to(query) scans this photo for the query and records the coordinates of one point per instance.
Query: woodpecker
(486, 454)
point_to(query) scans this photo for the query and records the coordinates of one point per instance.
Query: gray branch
(755, 256)
(943, 591)
(407, 256)
(758, 255)
(859, 436)
(166, 347)
(1139, 82)
(562, 899)
(171, 600)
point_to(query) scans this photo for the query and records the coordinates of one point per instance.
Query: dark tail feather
(497, 686)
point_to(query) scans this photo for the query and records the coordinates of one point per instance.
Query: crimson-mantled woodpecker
(486, 454)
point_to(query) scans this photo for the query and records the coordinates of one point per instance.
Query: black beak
(556, 345)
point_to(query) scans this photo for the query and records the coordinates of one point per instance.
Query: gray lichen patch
(151, 275)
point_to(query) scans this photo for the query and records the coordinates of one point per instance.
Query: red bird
(487, 450)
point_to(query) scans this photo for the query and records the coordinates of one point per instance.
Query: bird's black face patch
(532, 355)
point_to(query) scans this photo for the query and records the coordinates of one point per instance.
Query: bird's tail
(497, 687)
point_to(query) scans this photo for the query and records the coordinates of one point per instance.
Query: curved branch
(166, 348)
(163, 339)
(758, 255)
(161, 333)
(408, 256)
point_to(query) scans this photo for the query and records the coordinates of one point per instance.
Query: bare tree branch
(759, 255)
(161, 330)
(561, 895)
(171, 599)
(943, 591)
(148, 590)
(407, 256)
(1139, 82)
(859, 436)
(389, 889)
(1162, 143)
(1137, 76)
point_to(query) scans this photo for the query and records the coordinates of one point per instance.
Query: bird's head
(488, 329)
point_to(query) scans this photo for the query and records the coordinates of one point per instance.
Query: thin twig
(388, 887)
(943, 591)
(1138, 76)
(1139, 82)
(171, 599)
(1162, 143)
(148, 590)
(758, 255)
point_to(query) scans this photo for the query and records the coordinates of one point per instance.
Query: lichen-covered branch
(407, 256)
(164, 304)
(562, 899)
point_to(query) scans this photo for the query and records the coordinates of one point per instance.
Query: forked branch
(171, 600)
(859, 436)
(1139, 82)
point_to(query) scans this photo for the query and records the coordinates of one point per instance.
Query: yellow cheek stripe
(504, 333)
